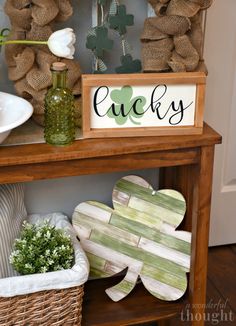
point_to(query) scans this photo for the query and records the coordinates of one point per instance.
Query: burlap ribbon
(29, 66)
(180, 21)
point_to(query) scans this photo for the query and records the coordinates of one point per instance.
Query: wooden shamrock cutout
(121, 20)
(129, 65)
(99, 42)
(139, 233)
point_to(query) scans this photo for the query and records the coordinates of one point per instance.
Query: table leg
(200, 233)
(195, 182)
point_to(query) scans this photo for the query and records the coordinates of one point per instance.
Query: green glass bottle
(59, 120)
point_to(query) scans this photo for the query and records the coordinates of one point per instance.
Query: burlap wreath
(29, 66)
(172, 41)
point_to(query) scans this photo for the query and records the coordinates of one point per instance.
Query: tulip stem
(102, 12)
(24, 42)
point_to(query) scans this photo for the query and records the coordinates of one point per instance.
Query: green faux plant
(42, 248)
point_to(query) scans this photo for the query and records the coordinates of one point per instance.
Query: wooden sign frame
(92, 81)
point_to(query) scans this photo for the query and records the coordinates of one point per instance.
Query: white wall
(220, 113)
(64, 194)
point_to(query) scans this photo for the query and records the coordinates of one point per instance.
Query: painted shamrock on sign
(138, 234)
(133, 108)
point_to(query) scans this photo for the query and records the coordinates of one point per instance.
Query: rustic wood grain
(146, 79)
(93, 148)
(215, 295)
(180, 179)
(222, 268)
(138, 234)
(200, 105)
(220, 291)
(26, 172)
(233, 248)
(141, 131)
(200, 231)
(195, 184)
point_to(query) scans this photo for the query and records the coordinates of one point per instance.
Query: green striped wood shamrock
(138, 234)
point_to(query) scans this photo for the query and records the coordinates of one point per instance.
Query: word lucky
(176, 111)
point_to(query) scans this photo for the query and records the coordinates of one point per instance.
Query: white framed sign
(143, 104)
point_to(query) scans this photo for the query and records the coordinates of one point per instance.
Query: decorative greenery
(123, 97)
(41, 249)
(116, 19)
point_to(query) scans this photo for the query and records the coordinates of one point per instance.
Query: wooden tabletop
(94, 148)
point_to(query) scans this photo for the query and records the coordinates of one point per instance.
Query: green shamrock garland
(121, 20)
(99, 42)
(128, 65)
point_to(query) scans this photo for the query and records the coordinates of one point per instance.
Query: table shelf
(90, 156)
(186, 164)
(138, 308)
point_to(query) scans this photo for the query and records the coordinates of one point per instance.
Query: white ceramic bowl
(14, 111)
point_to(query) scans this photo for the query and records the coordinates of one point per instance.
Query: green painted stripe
(179, 282)
(124, 286)
(92, 223)
(149, 233)
(151, 210)
(96, 262)
(137, 253)
(132, 214)
(96, 273)
(159, 199)
(172, 193)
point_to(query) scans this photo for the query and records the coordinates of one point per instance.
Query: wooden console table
(186, 164)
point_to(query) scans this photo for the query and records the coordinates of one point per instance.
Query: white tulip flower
(61, 43)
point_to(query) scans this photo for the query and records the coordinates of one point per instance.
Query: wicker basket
(46, 308)
(46, 299)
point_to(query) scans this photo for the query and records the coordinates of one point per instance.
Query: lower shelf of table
(138, 308)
